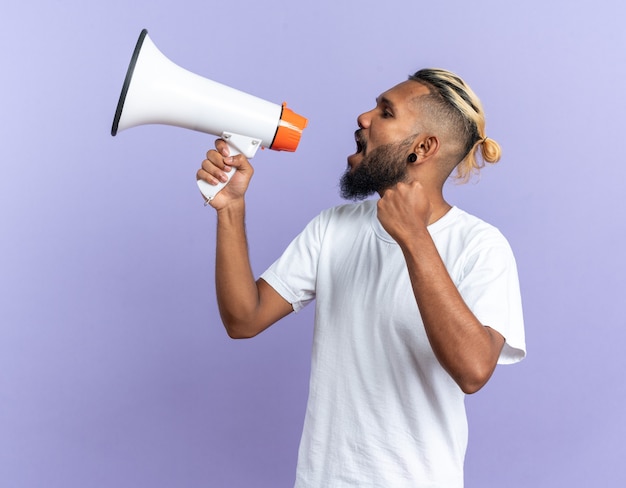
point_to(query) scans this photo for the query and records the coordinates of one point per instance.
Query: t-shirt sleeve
(490, 288)
(294, 274)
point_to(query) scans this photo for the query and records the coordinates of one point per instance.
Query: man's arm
(467, 349)
(247, 307)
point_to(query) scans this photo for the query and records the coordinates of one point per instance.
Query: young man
(416, 300)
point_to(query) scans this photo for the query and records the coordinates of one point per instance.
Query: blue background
(114, 368)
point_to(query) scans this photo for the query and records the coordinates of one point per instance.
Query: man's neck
(439, 210)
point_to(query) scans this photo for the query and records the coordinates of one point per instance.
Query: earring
(412, 158)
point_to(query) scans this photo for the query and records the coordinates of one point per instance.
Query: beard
(383, 168)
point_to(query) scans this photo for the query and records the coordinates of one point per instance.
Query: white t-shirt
(382, 412)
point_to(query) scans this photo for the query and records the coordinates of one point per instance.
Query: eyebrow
(385, 101)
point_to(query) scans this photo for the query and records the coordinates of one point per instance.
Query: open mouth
(360, 141)
(361, 147)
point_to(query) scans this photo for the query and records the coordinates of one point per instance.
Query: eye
(387, 114)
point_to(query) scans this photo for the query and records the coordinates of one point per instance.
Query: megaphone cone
(157, 91)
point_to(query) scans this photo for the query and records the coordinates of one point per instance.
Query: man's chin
(350, 189)
(355, 159)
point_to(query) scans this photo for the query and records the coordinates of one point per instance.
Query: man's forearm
(237, 294)
(465, 348)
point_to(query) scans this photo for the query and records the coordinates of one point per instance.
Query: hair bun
(490, 150)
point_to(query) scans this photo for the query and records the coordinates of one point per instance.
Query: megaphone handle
(237, 144)
(209, 191)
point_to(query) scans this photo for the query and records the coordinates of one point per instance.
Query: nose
(364, 119)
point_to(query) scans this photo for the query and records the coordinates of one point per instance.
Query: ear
(426, 147)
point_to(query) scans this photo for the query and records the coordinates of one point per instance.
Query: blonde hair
(454, 101)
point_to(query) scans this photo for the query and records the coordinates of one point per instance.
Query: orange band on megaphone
(289, 130)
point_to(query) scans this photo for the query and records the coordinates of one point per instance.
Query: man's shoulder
(460, 218)
(470, 229)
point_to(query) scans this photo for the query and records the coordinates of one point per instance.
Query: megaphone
(157, 91)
